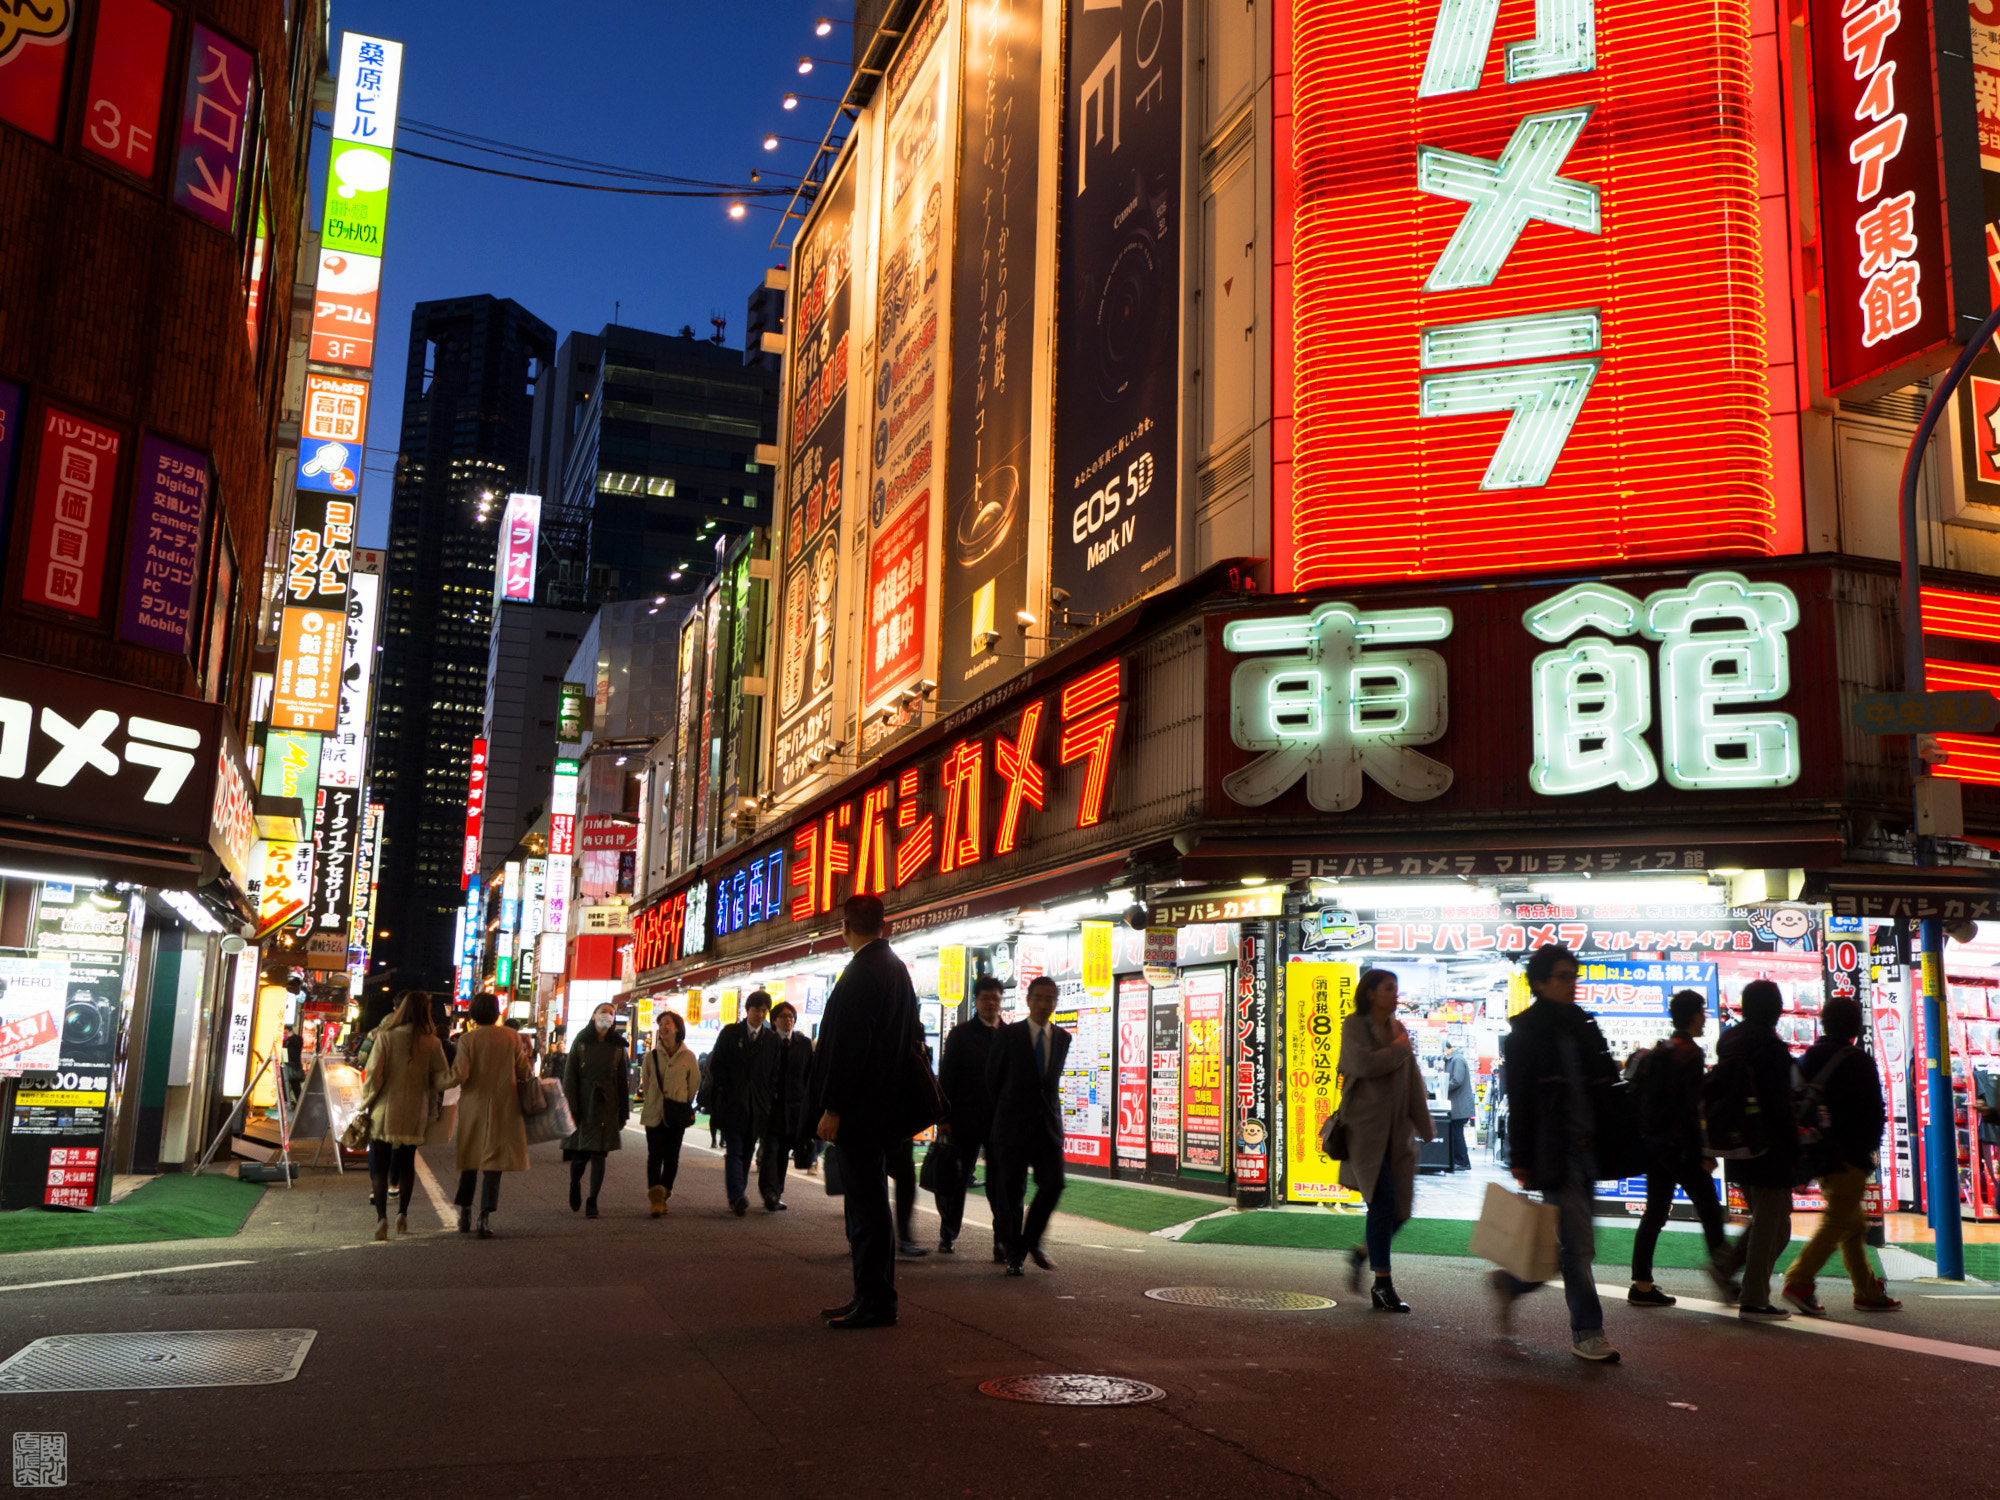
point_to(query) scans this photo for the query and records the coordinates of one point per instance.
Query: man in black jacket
(1766, 1179)
(870, 1031)
(968, 1051)
(1670, 1119)
(786, 1066)
(1851, 1093)
(1024, 1077)
(1558, 1072)
(737, 1094)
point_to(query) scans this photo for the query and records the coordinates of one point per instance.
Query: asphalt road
(628, 1355)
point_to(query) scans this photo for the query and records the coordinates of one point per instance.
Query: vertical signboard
(475, 812)
(34, 49)
(218, 122)
(984, 566)
(128, 79)
(815, 484)
(905, 419)
(1114, 517)
(562, 851)
(1205, 1094)
(291, 766)
(345, 297)
(1132, 1056)
(163, 547)
(706, 748)
(236, 1029)
(1319, 997)
(1086, 1086)
(520, 527)
(345, 755)
(1164, 1128)
(336, 828)
(76, 484)
(1251, 1063)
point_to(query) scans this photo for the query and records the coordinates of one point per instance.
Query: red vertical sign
(128, 77)
(475, 816)
(76, 478)
(34, 45)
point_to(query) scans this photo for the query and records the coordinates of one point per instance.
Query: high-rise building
(764, 332)
(474, 363)
(530, 646)
(650, 461)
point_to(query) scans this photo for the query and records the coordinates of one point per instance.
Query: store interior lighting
(40, 875)
(191, 911)
(1398, 893)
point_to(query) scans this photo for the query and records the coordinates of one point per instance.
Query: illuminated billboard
(1527, 302)
(520, 527)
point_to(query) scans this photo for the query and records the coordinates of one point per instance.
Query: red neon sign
(657, 933)
(1528, 321)
(1015, 760)
(1965, 617)
(918, 827)
(475, 813)
(1090, 721)
(964, 805)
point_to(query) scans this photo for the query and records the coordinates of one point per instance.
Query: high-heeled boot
(1385, 1299)
(378, 1195)
(485, 1233)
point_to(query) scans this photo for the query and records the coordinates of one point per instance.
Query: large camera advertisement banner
(985, 564)
(809, 569)
(904, 427)
(1118, 302)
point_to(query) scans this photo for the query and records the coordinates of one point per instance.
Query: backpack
(1651, 1074)
(1816, 1154)
(1732, 1116)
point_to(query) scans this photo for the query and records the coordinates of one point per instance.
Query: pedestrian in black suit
(1024, 1076)
(737, 1093)
(968, 1051)
(787, 1067)
(870, 1031)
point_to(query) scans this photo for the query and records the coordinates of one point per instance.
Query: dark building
(469, 391)
(648, 446)
(767, 317)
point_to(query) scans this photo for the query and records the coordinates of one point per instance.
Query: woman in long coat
(597, 1083)
(1384, 1106)
(669, 1080)
(406, 1071)
(491, 1135)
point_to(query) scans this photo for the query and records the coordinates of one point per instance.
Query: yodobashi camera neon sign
(1343, 693)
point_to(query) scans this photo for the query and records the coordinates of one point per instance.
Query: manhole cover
(1073, 1390)
(1241, 1299)
(156, 1361)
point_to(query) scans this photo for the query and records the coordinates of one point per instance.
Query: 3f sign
(1101, 99)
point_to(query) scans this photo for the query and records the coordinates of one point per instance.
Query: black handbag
(1333, 1137)
(940, 1165)
(920, 1100)
(836, 1176)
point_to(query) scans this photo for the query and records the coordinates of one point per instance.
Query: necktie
(1041, 1054)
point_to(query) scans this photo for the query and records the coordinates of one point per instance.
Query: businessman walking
(1025, 1072)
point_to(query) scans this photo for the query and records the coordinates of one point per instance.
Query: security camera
(1961, 932)
(1135, 916)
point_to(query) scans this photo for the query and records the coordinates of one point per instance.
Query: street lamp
(737, 210)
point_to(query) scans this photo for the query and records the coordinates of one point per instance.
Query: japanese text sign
(163, 547)
(311, 642)
(128, 79)
(344, 309)
(75, 484)
(364, 98)
(218, 119)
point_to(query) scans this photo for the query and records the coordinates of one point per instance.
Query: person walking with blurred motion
(1669, 1087)
(669, 1079)
(737, 1094)
(1025, 1079)
(1843, 1081)
(1559, 1071)
(406, 1072)
(596, 1081)
(1754, 1047)
(787, 1066)
(491, 1136)
(1385, 1107)
(968, 1049)
(867, 1038)
(1460, 1104)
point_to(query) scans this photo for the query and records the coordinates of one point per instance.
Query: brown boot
(658, 1195)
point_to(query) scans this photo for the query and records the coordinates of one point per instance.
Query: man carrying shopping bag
(1559, 1072)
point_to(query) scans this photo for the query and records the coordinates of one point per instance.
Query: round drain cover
(1073, 1390)
(1241, 1298)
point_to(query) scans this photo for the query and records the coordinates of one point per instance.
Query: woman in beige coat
(406, 1071)
(1385, 1108)
(491, 1136)
(669, 1078)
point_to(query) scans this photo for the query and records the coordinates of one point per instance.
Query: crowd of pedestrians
(865, 1089)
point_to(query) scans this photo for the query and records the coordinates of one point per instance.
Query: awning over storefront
(1884, 892)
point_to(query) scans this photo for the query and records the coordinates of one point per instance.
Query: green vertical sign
(357, 198)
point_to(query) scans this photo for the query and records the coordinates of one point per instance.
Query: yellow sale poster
(1318, 998)
(1096, 958)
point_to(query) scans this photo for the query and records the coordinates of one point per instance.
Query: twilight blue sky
(687, 87)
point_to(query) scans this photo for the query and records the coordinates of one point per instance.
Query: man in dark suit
(786, 1066)
(869, 1033)
(1024, 1077)
(737, 1096)
(968, 1051)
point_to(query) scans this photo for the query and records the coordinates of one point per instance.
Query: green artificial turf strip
(1982, 1261)
(171, 1207)
(1130, 1208)
(1324, 1231)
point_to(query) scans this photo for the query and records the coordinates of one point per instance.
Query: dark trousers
(958, 1183)
(1660, 1185)
(1461, 1154)
(392, 1168)
(871, 1236)
(578, 1160)
(774, 1154)
(738, 1146)
(1383, 1218)
(899, 1158)
(489, 1196)
(1008, 1168)
(663, 1155)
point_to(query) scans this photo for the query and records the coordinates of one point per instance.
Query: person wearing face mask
(596, 1083)
(1024, 1077)
(786, 1066)
(737, 1096)
(968, 1049)
(669, 1080)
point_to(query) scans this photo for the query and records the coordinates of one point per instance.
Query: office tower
(766, 315)
(468, 398)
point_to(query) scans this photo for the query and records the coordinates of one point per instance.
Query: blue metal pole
(1941, 1136)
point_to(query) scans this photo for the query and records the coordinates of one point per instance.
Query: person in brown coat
(1385, 1108)
(596, 1082)
(491, 1136)
(406, 1071)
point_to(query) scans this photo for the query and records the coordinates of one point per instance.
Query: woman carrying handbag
(491, 1136)
(406, 1072)
(596, 1083)
(1384, 1107)
(669, 1080)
